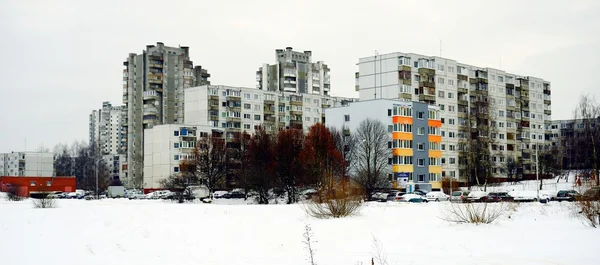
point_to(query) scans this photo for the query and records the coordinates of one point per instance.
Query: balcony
(150, 94)
(463, 115)
(234, 98)
(426, 84)
(423, 97)
(270, 111)
(463, 102)
(296, 101)
(234, 119)
(325, 105)
(213, 97)
(547, 112)
(462, 90)
(404, 68)
(213, 117)
(269, 102)
(405, 95)
(296, 122)
(150, 110)
(296, 112)
(426, 71)
(269, 119)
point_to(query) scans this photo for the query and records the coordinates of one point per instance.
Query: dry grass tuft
(474, 213)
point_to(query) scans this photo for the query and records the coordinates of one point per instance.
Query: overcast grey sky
(61, 59)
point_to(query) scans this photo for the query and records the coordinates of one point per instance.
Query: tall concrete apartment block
(294, 72)
(107, 131)
(108, 135)
(414, 134)
(153, 91)
(519, 109)
(237, 109)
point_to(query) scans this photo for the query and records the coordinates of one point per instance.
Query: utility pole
(537, 177)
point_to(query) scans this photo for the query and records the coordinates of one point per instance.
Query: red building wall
(27, 185)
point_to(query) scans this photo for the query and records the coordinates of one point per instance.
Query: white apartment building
(294, 72)
(32, 164)
(519, 106)
(237, 109)
(165, 147)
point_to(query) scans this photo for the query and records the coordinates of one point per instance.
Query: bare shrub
(474, 213)
(13, 193)
(43, 201)
(336, 208)
(308, 241)
(589, 211)
(379, 255)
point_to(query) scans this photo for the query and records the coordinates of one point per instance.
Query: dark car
(566, 195)
(499, 197)
(420, 192)
(234, 195)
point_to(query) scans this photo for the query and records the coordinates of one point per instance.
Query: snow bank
(156, 232)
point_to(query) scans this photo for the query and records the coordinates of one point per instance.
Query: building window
(390, 128)
(421, 178)
(440, 80)
(257, 117)
(175, 133)
(452, 161)
(421, 131)
(247, 106)
(421, 115)
(421, 146)
(441, 67)
(450, 95)
(32, 183)
(247, 116)
(175, 169)
(48, 183)
(176, 157)
(389, 112)
(346, 117)
(176, 145)
(441, 94)
(421, 162)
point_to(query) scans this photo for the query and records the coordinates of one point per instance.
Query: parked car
(56, 195)
(219, 193)
(437, 196)
(413, 197)
(477, 196)
(236, 195)
(420, 192)
(156, 194)
(566, 195)
(136, 196)
(459, 196)
(544, 197)
(394, 196)
(524, 196)
(500, 196)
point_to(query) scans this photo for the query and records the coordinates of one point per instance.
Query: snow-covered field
(157, 232)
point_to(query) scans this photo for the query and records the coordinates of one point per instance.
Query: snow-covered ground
(156, 232)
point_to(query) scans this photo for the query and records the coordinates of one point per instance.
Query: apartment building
(31, 164)
(153, 91)
(165, 147)
(415, 137)
(107, 132)
(517, 108)
(294, 72)
(571, 140)
(237, 109)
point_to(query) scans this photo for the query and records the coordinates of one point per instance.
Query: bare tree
(180, 183)
(372, 155)
(345, 143)
(210, 157)
(587, 114)
(476, 145)
(64, 161)
(547, 165)
(238, 160)
(511, 168)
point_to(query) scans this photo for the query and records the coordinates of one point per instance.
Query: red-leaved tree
(288, 166)
(323, 163)
(261, 175)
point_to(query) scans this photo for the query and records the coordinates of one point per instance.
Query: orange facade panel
(435, 153)
(402, 120)
(402, 152)
(435, 138)
(434, 123)
(402, 136)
